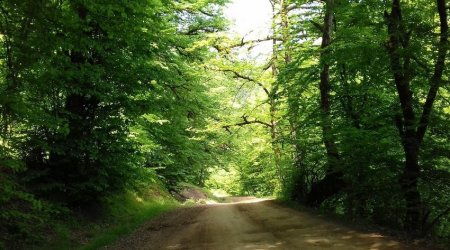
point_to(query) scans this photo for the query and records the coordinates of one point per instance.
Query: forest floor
(250, 223)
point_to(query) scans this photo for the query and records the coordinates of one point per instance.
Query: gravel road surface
(251, 224)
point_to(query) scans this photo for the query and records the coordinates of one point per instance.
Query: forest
(348, 113)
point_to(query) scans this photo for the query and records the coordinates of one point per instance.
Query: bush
(21, 215)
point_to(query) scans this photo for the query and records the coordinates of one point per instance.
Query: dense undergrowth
(123, 213)
(91, 226)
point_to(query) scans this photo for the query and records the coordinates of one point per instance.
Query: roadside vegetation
(118, 215)
(110, 110)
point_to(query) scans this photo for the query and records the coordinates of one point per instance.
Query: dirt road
(250, 224)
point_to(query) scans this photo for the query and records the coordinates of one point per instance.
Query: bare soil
(252, 224)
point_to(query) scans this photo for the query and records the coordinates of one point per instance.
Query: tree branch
(239, 75)
(244, 43)
(318, 26)
(436, 219)
(292, 7)
(246, 122)
(438, 71)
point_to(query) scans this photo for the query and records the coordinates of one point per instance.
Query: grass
(128, 223)
(122, 214)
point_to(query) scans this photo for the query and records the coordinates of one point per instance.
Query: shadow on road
(251, 223)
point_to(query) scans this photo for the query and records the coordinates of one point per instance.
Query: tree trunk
(273, 102)
(411, 136)
(325, 87)
(332, 183)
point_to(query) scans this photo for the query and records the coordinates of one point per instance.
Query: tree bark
(273, 98)
(332, 183)
(438, 70)
(411, 134)
(325, 87)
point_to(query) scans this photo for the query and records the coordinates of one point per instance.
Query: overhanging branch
(247, 122)
(243, 43)
(240, 76)
(318, 26)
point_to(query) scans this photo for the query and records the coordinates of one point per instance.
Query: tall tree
(332, 182)
(410, 130)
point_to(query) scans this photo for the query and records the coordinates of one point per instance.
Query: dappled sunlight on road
(253, 223)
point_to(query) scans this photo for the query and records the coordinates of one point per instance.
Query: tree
(411, 132)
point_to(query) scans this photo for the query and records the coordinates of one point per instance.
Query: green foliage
(365, 112)
(225, 180)
(98, 97)
(128, 212)
(121, 214)
(21, 215)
